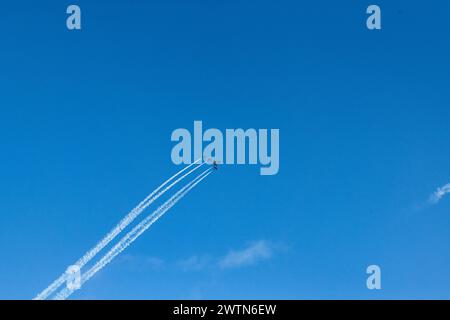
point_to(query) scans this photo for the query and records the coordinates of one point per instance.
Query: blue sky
(85, 126)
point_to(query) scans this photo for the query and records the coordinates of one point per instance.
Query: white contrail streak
(165, 183)
(133, 214)
(440, 193)
(130, 218)
(131, 236)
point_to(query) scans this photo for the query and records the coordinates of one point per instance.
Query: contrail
(133, 214)
(131, 236)
(439, 193)
(165, 183)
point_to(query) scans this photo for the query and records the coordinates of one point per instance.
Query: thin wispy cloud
(439, 194)
(253, 253)
(195, 263)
